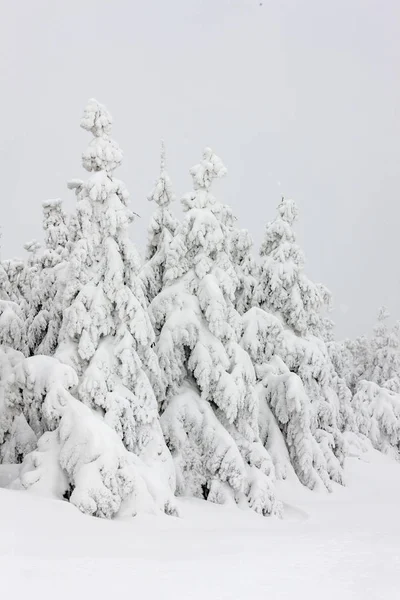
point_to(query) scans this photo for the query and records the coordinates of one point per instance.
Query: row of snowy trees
(200, 371)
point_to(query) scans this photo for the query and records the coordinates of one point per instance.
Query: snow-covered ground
(344, 545)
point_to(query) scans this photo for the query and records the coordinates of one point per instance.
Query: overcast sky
(300, 98)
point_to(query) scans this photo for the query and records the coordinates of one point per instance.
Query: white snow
(344, 545)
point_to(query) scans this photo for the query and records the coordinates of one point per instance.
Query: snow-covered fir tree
(377, 411)
(375, 368)
(384, 369)
(286, 335)
(78, 456)
(210, 412)
(295, 378)
(46, 275)
(12, 317)
(106, 334)
(283, 287)
(160, 234)
(14, 284)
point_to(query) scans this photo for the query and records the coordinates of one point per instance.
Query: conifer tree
(377, 411)
(283, 287)
(46, 273)
(384, 369)
(288, 342)
(16, 437)
(106, 334)
(12, 328)
(210, 411)
(78, 456)
(160, 233)
(294, 375)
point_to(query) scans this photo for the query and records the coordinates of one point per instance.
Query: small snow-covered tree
(16, 437)
(12, 328)
(106, 333)
(161, 231)
(46, 274)
(210, 412)
(13, 283)
(79, 457)
(294, 376)
(384, 369)
(377, 411)
(283, 287)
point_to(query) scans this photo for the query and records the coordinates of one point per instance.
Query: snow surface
(344, 545)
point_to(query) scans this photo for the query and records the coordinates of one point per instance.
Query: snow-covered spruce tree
(14, 284)
(283, 287)
(287, 337)
(246, 268)
(376, 376)
(209, 416)
(12, 330)
(78, 457)
(295, 396)
(384, 369)
(377, 411)
(47, 282)
(106, 334)
(16, 437)
(356, 360)
(161, 231)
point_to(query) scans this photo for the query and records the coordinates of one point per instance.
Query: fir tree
(377, 411)
(106, 333)
(12, 327)
(384, 369)
(294, 376)
(288, 341)
(46, 273)
(283, 287)
(79, 457)
(210, 411)
(160, 234)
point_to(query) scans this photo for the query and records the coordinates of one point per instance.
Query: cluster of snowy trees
(199, 371)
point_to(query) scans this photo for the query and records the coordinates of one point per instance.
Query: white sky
(297, 97)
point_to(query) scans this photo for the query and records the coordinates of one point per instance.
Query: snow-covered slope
(342, 545)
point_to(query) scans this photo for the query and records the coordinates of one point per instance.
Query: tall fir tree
(106, 334)
(285, 334)
(209, 415)
(161, 231)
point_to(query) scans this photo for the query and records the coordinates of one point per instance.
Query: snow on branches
(211, 407)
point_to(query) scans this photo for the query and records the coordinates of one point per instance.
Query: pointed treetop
(162, 193)
(210, 167)
(288, 210)
(383, 313)
(96, 119)
(162, 157)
